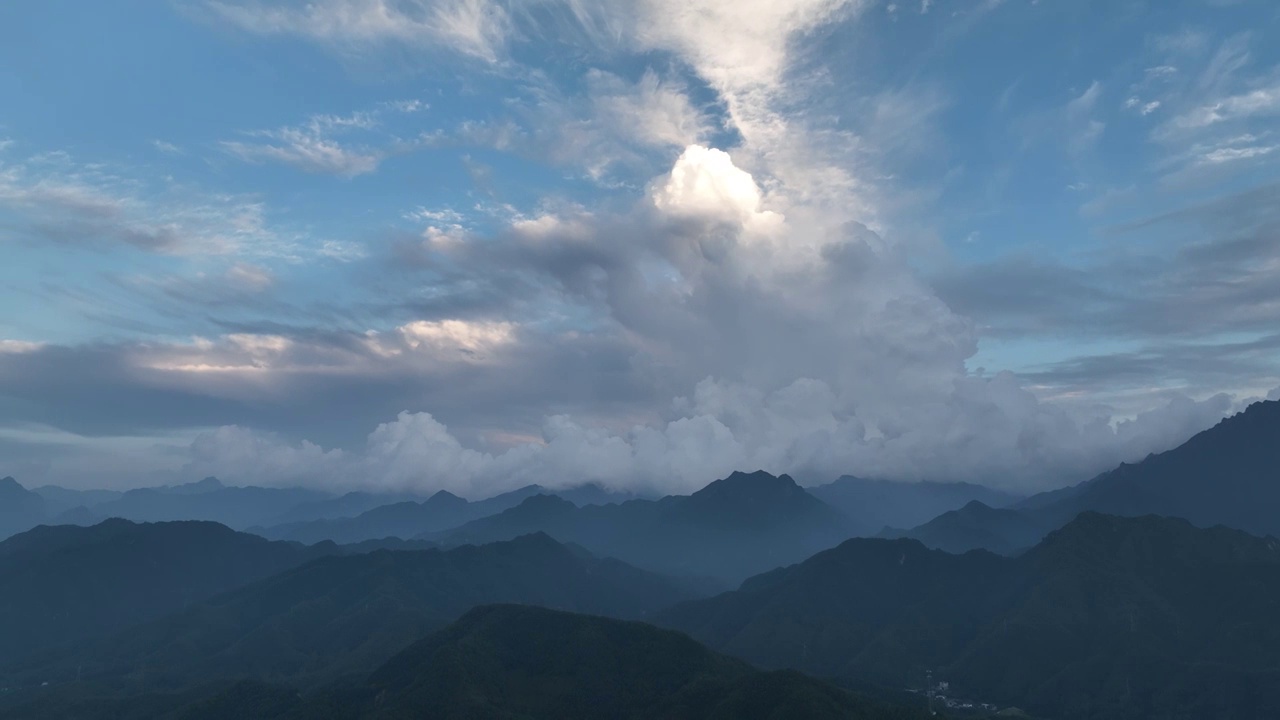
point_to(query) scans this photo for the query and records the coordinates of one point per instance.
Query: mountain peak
(444, 496)
(755, 483)
(8, 483)
(542, 501)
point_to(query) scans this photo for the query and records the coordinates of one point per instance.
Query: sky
(473, 244)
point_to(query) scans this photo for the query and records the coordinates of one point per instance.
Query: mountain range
(1106, 617)
(348, 613)
(731, 529)
(407, 519)
(1099, 602)
(442, 511)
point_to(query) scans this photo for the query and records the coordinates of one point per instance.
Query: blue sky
(471, 243)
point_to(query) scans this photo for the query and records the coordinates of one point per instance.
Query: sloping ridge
(1227, 475)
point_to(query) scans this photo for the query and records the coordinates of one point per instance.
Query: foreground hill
(65, 583)
(1226, 475)
(524, 662)
(507, 662)
(875, 504)
(347, 614)
(732, 528)
(1108, 617)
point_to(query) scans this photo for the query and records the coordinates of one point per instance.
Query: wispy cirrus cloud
(472, 27)
(317, 145)
(61, 201)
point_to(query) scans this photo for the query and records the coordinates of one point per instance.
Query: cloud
(842, 363)
(19, 346)
(741, 299)
(1084, 128)
(1142, 108)
(736, 46)
(311, 147)
(704, 183)
(1259, 102)
(250, 277)
(611, 128)
(472, 27)
(1195, 308)
(166, 147)
(57, 200)
(653, 111)
(796, 429)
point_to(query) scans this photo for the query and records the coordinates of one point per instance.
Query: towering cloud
(737, 287)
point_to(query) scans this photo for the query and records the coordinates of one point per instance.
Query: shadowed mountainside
(68, 583)
(1107, 617)
(347, 614)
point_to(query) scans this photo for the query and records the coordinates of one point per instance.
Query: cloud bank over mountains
(752, 298)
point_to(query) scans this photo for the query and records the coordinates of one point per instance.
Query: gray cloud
(812, 359)
(1197, 273)
(743, 309)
